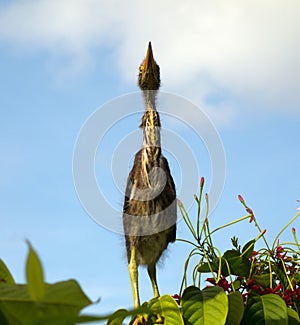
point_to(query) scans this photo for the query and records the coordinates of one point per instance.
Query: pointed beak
(149, 61)
(149, 72)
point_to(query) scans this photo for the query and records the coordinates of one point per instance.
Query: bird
(150, 206)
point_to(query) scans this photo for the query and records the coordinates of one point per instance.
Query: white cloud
(249, 49)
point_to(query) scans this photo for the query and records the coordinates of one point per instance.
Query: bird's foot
(139, 320)
(159, 319)
(147, 319)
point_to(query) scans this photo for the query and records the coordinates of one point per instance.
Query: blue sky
(61, 61)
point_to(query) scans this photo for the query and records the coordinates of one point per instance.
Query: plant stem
(186, 241)
(287, 277)
(229, 224)
(283, 229)
(187, 220)
(260, 231)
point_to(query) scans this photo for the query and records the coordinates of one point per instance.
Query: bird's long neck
(151, 122)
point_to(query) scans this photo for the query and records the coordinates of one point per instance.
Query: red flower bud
(177, 298)
(251, 218)
(251, 214)
(267, 291)
(255, 287)
(293, 230)
(201, 181)
(249, 211)
(278, 287)
(252, 257)
(241, 199)
(211, 280)
(279, 250)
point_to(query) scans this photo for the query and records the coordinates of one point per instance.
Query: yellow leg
(133, 273)
(152, 275)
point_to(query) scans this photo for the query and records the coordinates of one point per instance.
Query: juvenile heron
(149, 212)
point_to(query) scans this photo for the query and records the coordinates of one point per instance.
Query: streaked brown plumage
(149, 213)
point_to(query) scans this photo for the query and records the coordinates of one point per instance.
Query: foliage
(262, 287)
(245, 286)
(38, 302)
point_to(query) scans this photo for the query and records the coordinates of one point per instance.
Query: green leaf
(234, 264)
(3, 320)
(237, 283)
(293, 317)
(34, 275)
(118, 317)
(166, 307)
(248, 248)
(238, 265)
(207, 268)
(268, 309)
(236, 308)
(296, 277)
(280, 274)
(5, 275)
(60, 306)
(262, 279)
(206, 307)
(230, 254)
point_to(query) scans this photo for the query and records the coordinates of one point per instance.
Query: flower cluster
(286, 279)
(177, 298)
(290, 296)
(282, 267)
(271, 269)
(223, 283)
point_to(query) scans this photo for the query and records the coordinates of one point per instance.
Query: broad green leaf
(166, 307)
(5, 275)
(280, 274)
(234, 264)
(230, 254)
(262, 279)
(248, 248)
(293, 317)
(60, 306)
(207, 268)
(206, 307)
(34, 275)
(118, 317)
(3, 320)
(268, 309)
(238, 265)
(236, 308)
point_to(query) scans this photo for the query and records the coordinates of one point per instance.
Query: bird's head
(149, 77)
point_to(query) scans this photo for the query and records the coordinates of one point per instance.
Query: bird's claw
(144, 320)
(159, 319)
(139, 320)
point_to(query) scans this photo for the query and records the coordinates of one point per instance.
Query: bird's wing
(172, 201)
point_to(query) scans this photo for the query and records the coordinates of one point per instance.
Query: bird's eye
(141, 69)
